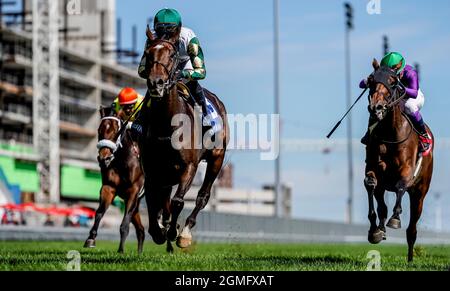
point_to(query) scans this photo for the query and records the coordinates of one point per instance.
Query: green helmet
(391, 60)
(167, 16)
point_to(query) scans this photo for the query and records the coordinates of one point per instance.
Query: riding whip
(345, 115)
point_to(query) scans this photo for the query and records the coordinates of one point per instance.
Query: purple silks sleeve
(411, 81)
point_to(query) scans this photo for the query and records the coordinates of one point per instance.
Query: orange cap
(128, 96)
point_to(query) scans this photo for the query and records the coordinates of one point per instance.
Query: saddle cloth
(212, 114)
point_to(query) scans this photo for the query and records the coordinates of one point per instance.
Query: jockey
(191, 69)
(129, 103)
(415, 97)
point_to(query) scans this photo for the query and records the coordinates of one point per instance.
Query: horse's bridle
(397, 93)
(106, 143)
(174, 58)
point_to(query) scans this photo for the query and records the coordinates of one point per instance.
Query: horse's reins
(175, 60)
(390, 106)
(169, 84)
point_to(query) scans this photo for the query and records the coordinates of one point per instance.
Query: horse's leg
(177, 202)
(394, 222)
(212, 170)
(166, 216)
(154, 206)
(107, 195)
(416, 201)
(371, 183)
(381, 210)
(140, 230)
(131, 206)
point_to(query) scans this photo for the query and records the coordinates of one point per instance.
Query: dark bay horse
(393, 161)
(122, 176)
(166, 165)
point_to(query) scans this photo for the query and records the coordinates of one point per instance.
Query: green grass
(219, 257)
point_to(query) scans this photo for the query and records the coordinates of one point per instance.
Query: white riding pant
(412, 105)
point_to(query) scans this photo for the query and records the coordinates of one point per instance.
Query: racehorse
(393, 160)
(122, 176)
(165, 165)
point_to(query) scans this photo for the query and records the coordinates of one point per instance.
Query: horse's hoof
(172, 233)
(377, 237)
(90, 243)
(159, 240)
(158, 236)
(184, 242)
(394, 223)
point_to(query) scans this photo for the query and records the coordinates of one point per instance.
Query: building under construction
(85, 73)
(59, 62)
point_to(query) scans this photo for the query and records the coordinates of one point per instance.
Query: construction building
(59, 62)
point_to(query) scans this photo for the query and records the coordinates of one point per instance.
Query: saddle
(185, 93)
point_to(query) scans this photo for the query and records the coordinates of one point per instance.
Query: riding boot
(425, 139)
(200, 98)
(365, 139)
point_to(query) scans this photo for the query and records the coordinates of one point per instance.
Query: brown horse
(122, 176)
(166, 165)
(393, 161)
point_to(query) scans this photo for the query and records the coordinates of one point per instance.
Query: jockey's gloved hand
(179, 75)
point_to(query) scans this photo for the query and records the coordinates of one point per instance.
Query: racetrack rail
(217, 227)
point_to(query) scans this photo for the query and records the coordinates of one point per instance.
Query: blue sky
(236, 37)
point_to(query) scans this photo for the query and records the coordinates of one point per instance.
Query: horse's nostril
(379, 107)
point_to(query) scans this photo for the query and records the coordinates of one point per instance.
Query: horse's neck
(164, 110)
(394, 125)
(127, 145)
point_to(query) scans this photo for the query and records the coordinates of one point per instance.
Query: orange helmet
(128, 96)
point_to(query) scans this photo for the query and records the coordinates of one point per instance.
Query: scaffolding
(46, 97)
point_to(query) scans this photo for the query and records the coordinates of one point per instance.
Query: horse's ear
(101, 110)
(149, 34)
(375, 64)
